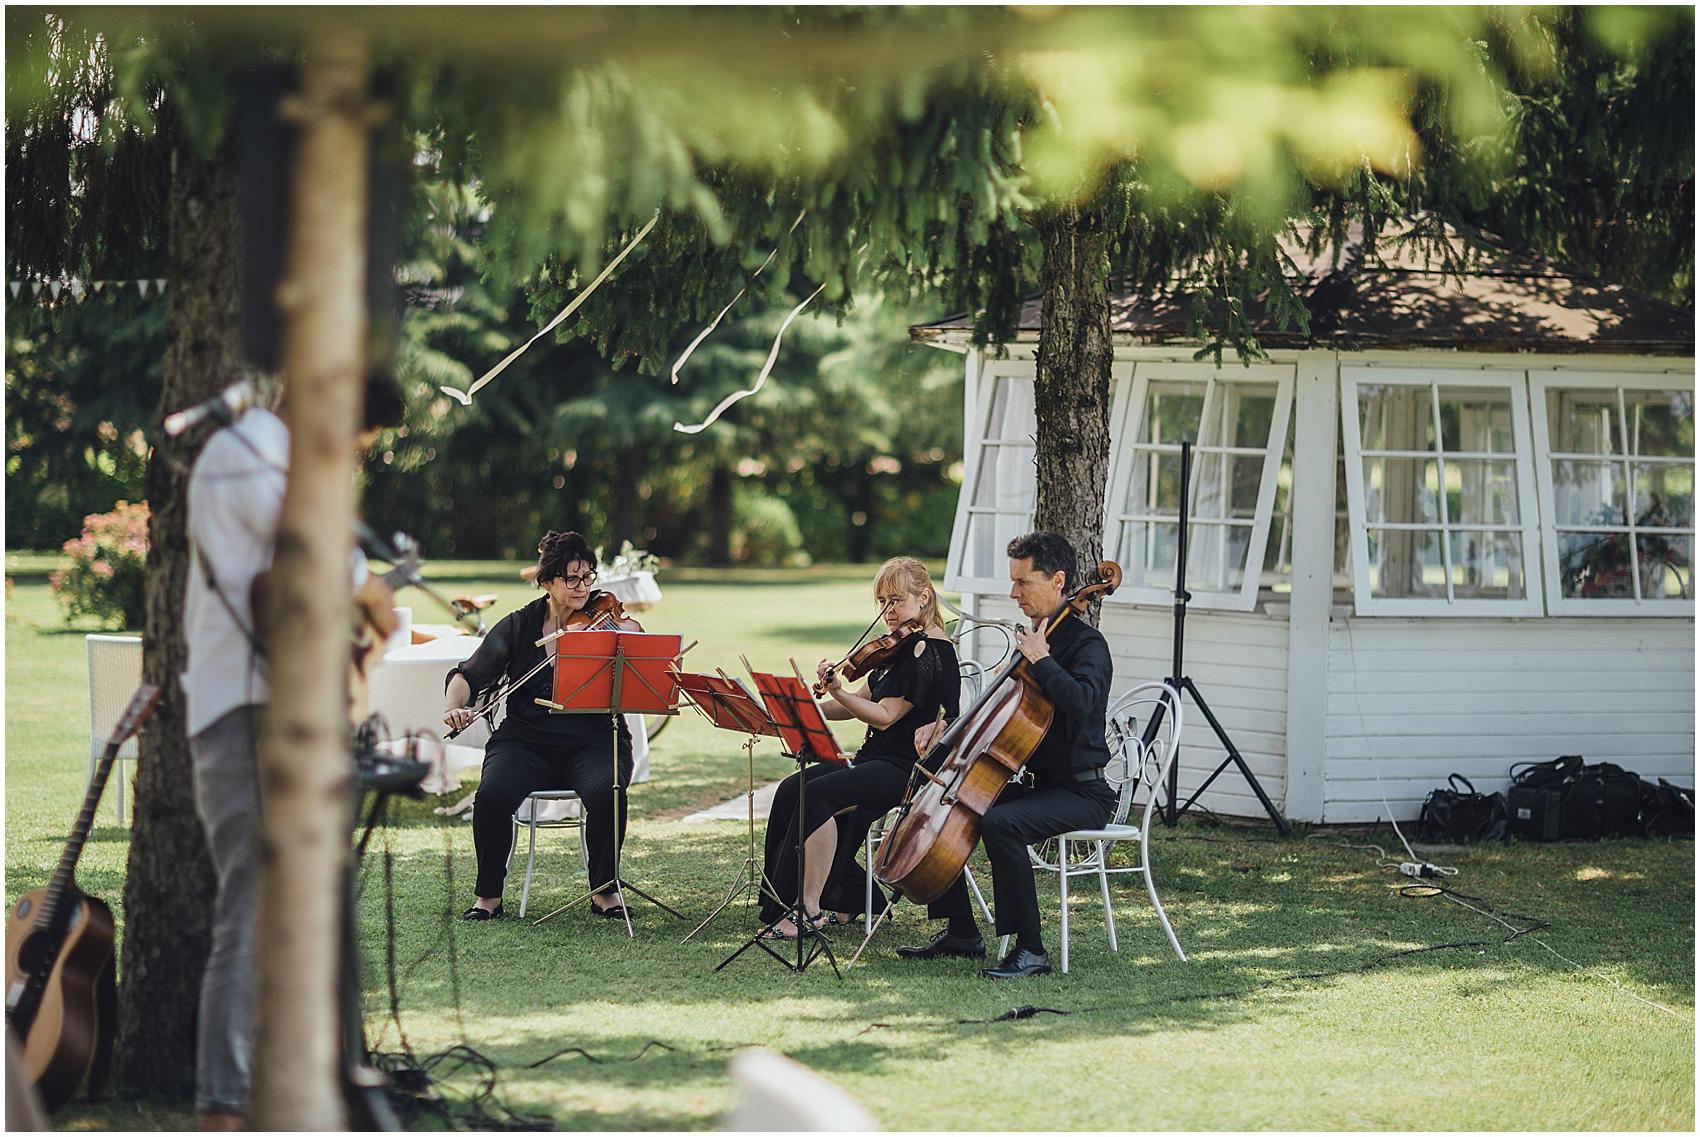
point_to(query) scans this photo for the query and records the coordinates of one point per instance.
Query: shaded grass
(1293, 1013)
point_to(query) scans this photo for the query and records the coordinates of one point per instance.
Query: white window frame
(978, 441)
(1124, 430)
(1528, 506)
(1540, 382)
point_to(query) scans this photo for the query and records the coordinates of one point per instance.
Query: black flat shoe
(614, 912)
(475, 913)
(944, 944)
(1019, 964)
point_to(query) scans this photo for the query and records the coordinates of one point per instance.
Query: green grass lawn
(1306, 1004)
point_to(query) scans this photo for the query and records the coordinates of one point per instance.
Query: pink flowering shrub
(107, 565)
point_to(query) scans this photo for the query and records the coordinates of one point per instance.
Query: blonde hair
(910, 576)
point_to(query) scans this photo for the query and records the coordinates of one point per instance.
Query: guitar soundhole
(24, 908)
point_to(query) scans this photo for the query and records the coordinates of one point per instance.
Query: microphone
(222, 408)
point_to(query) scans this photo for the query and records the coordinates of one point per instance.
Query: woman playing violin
(533, 749)
(901, 705)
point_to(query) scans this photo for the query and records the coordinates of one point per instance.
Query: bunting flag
(78, 289)
(464, 398)
(679, 364)
(766, 369)
(17, 287)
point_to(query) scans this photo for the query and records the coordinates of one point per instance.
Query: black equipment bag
(1666, 810)
(1592, 801)
(1462, 814)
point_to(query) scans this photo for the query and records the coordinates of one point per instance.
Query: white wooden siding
(1411, 701)
(1239, 662)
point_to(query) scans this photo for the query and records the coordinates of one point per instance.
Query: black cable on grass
(652, 1044)
(1026, 1011)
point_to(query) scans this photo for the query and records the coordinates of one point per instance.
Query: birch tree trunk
(305, 768)
(1072, 390)
(169, 882)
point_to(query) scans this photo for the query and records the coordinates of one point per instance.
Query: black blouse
(928, 682)
(509, 649)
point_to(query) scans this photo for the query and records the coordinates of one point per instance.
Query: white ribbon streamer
(465, 397)
(766, 369)
(679, 364)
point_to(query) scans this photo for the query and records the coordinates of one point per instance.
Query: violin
(873, 655)
(601, 613)
(938, 824)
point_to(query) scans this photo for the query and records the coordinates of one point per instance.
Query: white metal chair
(115, 671)
(530, 818)
(1137, 766)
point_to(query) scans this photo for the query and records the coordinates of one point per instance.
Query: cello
(938, 824)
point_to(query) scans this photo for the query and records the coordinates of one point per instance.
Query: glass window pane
(1406, 563)
(1227, 485)
(1664, 495)
(1667, 566)
(1401, 490)
(1481, 492)
(1012, 410)
(1148, 553)
(1660, 422)
(1588, 493)
(1487, 566)
(1215, 557)
(1396, 417)
(1594, 565)
(1006, 478)
(1473, 419)
(1172, 412)
(1155, 486)
(1243, 414)
(1583, 422)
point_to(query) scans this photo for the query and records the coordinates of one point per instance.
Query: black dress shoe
(476, 913)
(945, 944)
(1019, 964)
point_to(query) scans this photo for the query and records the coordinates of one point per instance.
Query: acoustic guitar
(61, 1000)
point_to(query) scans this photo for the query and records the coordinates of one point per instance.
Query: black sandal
(475, 913)
(612, 912)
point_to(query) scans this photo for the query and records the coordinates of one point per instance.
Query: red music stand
(614, 673)
(730, 705)
(806, 737)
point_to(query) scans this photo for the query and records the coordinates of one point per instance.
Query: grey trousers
(226, 763)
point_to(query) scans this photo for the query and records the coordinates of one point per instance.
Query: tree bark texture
(169, 882)
(1072, 389)
(305, 766)
(720, 516)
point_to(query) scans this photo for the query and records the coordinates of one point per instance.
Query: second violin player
(901, 700)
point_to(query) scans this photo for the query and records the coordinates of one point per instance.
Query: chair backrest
(115, 671)
(1143, 729)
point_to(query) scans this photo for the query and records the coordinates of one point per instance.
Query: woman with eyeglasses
(903, 705)
(535, 750)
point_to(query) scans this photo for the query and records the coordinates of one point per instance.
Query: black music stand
(806, 738)
(613, 673)
(1182, 683)
(730, 706)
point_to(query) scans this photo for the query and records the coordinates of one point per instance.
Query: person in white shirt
(235, 496)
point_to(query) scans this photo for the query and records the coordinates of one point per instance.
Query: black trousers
(515, 768)
(1023, 817)
(860, 793)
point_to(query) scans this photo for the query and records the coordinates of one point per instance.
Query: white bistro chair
(115, 671)
(1137, 768)
(561, 809)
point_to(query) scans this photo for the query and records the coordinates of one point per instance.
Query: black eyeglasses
(577, 580)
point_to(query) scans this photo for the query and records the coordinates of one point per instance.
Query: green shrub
(764, 530)
(105, 574)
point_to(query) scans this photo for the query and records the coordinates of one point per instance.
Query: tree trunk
(720, 516)
(305, 767)
(1072, 391)
(861, 531)
(628, 467)
(169, 882)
